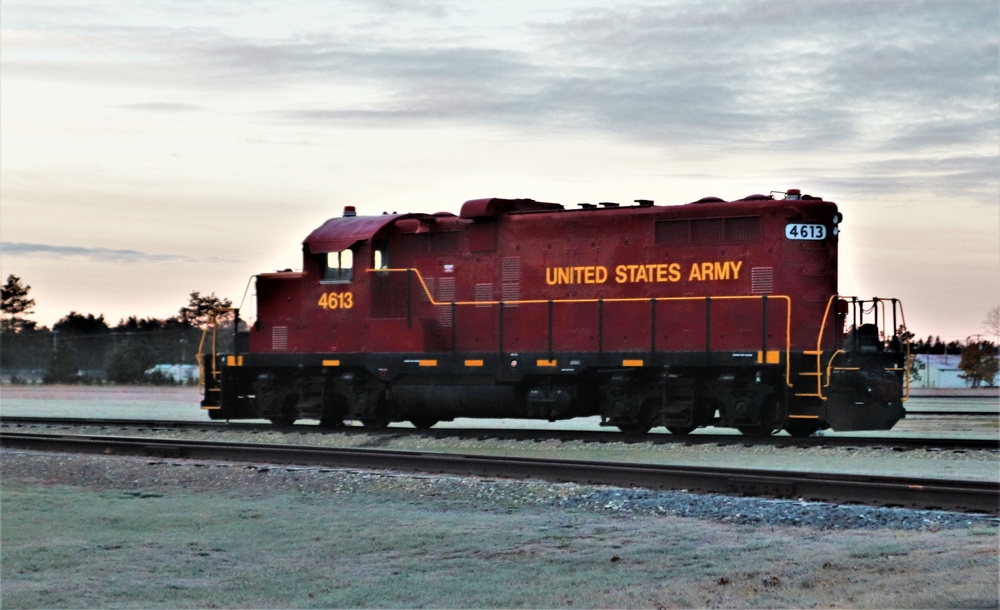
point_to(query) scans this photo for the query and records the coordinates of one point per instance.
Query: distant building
(940, 371)
(181, 373)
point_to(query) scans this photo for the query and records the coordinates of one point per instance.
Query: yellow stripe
(210, 408)
(331, 363)
(473, 363)
(428, 362)
(234, 360)
(803, 416)
(546, 363)
(632, 362)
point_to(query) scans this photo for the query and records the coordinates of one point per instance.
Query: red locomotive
(721, 313)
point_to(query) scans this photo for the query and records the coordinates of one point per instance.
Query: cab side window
(381, 256)
(338, 266)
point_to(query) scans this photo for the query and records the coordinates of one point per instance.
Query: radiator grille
(484, 292)
(510, 277)
(762, 280)
(279, 338)
(445, 294)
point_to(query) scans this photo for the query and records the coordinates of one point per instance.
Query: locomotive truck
(711, 313)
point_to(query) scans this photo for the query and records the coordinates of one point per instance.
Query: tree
(979, 363)
(15, 303)
(78, 324)
(128, 364)
(199, 310)
(62, 366)
(992, 323)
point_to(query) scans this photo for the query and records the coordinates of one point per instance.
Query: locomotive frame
(351, 337)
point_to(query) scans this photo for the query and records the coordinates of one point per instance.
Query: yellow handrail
(785, 298)
(876, 302)
(213, 325)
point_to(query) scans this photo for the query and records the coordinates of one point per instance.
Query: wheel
(375, 424)
(681, 430)
(334, 413)
(644, 419)
(289, 411)
(423, 424)
(769, 411)
(801, 429)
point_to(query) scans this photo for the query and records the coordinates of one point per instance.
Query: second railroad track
(958, 495)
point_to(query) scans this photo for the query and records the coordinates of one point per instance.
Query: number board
(805, 231)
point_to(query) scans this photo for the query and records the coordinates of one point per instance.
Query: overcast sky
(148, 149)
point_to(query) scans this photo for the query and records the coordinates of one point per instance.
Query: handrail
(878, 304)
(200, 355)
(213, 325)
(829, 366)
(601, 301)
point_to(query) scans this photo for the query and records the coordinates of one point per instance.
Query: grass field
(109, 532)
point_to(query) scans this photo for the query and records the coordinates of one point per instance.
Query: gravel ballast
(89, 470)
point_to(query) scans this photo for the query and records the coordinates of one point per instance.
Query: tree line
(978, 357)
(84, 348)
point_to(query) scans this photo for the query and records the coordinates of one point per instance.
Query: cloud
(750, 72)
(102, 255)
(890, 79)
(165, 107)
(884, 76)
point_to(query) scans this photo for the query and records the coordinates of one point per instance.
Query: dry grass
(120, 532)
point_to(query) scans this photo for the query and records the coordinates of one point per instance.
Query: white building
(940, 371)
(181, 373)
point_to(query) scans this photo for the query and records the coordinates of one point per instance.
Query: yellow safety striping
(234, 360)
(427, 362)
(546, 363)
(331, 363)
(211, 408)
(803, 417)
(473, 363)
(771, 357)
(632, 363)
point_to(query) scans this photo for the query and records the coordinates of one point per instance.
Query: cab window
(338, 266)
(381, 256)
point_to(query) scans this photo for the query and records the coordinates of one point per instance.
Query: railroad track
(969, 496)
(900, 443)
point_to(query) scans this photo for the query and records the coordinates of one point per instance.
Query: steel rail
(970, 496)
(586, 436)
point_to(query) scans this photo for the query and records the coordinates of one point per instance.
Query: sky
(150, 149)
